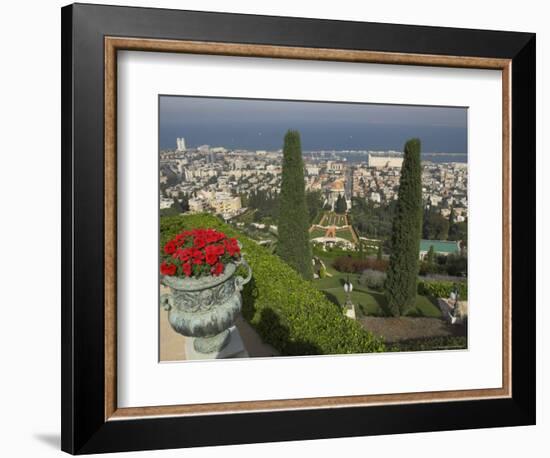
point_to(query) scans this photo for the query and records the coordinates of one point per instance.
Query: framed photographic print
(282, 228)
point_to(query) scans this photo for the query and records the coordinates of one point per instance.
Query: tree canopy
(341, 205)
(293, 246)
(406, 231)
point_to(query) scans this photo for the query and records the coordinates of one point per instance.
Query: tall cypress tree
(401, 282)
(430, 257)
(341, 205)
(452, 216)
(293, 246)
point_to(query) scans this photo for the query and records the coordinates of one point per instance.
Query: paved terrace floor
(172, 344)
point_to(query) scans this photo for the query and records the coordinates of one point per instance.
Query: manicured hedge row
(442, 288)
(287, 312)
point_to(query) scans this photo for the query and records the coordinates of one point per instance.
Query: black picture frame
(84, 428)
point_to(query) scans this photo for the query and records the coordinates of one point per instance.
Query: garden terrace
(333, 219)
(288, 312)
(333, 226)
(368, 302)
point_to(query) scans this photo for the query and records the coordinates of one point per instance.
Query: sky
(258, 124)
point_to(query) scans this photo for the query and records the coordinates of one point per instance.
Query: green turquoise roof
(440, 246)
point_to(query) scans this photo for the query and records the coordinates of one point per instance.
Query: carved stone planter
(205, 308)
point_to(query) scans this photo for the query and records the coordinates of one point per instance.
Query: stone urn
(205, 308)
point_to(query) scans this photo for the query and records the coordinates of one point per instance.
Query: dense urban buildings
(218, 179)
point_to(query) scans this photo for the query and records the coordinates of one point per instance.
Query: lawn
(247, 217)
(316, 232)
(318, 218)
(333, 219)
(367, 301)
(345, 234)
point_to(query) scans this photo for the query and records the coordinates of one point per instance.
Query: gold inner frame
(114, 44)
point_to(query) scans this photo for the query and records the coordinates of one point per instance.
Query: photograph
(311, 227)
(283, 225)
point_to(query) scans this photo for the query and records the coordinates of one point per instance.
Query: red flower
(213, 236)
(196, 253)
(198, 247)
(218, 269)
(170, 247)
(232, 247)
(199, 242)
(187, 269)
(211, 259)
(179, 240)
(182, 255)
(213, 252)
(168, 269)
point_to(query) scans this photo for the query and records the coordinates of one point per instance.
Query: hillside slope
(286, 311)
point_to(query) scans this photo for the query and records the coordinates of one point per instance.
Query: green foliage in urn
(286, 311)
(293, 245)
(406, 232)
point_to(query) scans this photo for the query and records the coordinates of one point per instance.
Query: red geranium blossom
(179, 239)
(232, 246)
(187, 269)
(168, 269)
(218, 269)
(198, 252)
(213, 253)
(213, 236)
(170, 247)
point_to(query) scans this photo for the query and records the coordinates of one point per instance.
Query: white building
(196, 205)
(218, 149)
(337, 167)
(166, 203)
(180, 144)
(312, 170)
(375, 197)
(383, 162)
(225, 204)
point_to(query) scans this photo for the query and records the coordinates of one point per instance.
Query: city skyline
(260, 124)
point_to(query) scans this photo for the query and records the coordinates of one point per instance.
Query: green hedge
(442, 288)
(431, 344)
(286, 311)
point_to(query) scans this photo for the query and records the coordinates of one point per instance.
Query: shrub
(426, 268)
(333, 252)
(456, 265)
(442, 288)
(286, 311)
(348, 264)
(373, 279)
(431, 343)
(322, 272)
